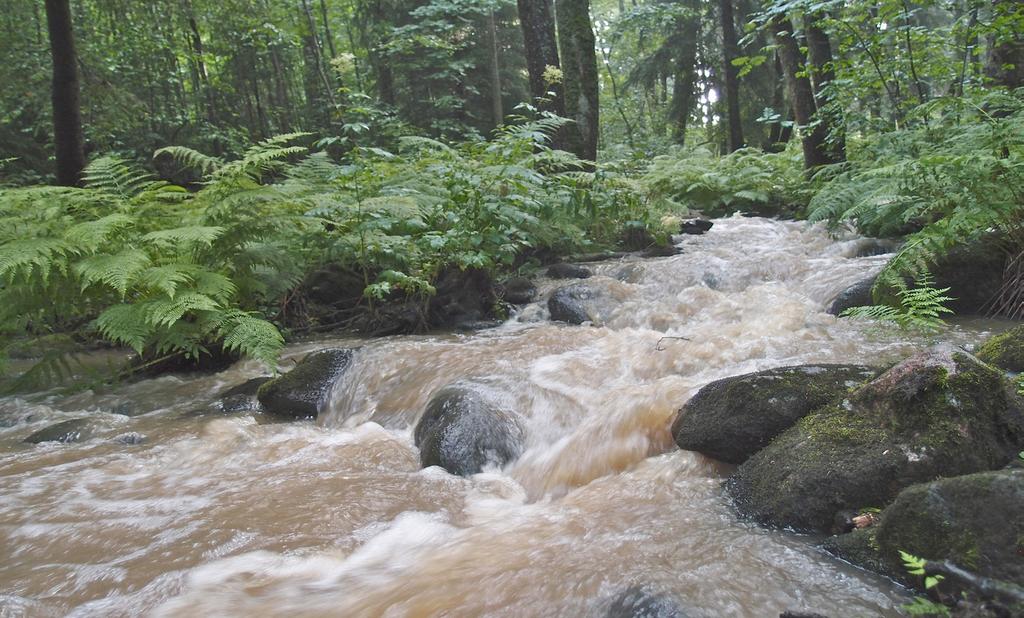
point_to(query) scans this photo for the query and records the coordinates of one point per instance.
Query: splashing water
(237, 515)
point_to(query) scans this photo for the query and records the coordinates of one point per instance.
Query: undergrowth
(171, 272)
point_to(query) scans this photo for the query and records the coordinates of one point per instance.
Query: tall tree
(67, 112)
(730, 52)
(823, 73)
(578, 53)
(813, 135)
(535, 18)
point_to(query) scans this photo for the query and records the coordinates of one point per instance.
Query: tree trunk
(732, 81)
(541, 51)
(328, 37)
(67, 112)
(497, 111)
(801, 96)
(579, 68)
(823, 73)
(317, 53)
(1005, 65)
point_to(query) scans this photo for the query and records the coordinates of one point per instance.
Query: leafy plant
(920, 307)
(921, 606)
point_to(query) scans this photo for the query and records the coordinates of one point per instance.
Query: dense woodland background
(391, 143)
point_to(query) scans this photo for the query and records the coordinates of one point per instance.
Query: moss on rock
(733, 418)
(941, 413)
(972, 520)
(1005, 350)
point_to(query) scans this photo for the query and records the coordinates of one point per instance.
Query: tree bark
(497, 111)
(823, 73)
(813, 137)
(535, 18)
(579, 69)
(67, 112)
(730, 51)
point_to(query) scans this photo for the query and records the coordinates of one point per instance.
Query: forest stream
(176, 509)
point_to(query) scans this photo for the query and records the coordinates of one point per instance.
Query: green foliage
(945, 184)
(150, 266)
(921, 606)
(920, 307)
(743, 181)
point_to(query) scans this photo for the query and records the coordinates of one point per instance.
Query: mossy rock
(733, 418)
(305, 391)
(940, 413)
(462, 432)
(241, 397)
(973, 520)
(1005, 350)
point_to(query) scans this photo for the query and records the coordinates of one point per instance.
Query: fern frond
(191, 159)
(127, 324)
(116, 271)
(252, 337)
(187, 235)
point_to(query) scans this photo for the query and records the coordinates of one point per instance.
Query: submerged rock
(304, 391)
(695, 226)
(940, 413)
(74, 430)
(972, 520)
(575, 303)
(733, 418)
(241, 397)
(518, 291)
(1005, 350)
(568, 271)
(857, 295)
(639, 602)
(462, 432)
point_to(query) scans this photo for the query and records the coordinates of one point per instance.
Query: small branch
(984, 587)
(661, 349)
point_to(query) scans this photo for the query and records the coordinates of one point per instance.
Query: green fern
(920, 307)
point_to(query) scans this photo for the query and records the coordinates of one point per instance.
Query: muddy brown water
(217, 515)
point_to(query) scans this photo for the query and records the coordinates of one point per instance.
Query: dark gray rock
(241, 397)
(733, 418)
(876, 246)
(973, 273)
(940, 413)
(74, 430)
(131, 438)
(973, 521)
(639, 602)
(568, 271)
(857, 295)
(518, 291)
(462, 432)
(574, 303)
(695, 226)
(304, 391)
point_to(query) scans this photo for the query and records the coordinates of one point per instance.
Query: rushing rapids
(214, 514)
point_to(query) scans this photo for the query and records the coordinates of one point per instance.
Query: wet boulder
(576, 303)
(695, 226)
(972, 520)
(74, 430)
(305, 391)
(462, 432)
(857, 295)
(940, 413)
(518, 291)
(733, 418)
(639, 602)
(241, 397)
(870, 247)
(1005, 350)
(568, 271)
(973, 273)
